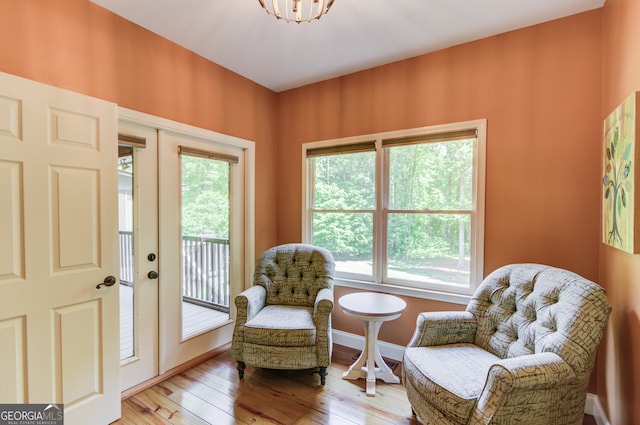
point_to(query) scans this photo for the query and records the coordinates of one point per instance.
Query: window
(404, 209)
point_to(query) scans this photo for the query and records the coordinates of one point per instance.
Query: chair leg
(241, 367)
(323, 375)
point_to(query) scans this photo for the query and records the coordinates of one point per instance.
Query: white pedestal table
(372, 309)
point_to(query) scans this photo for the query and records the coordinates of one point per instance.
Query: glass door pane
(125, 231)
(205, 212)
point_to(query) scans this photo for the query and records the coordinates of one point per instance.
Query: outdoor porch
(195, 320)
(205, 287)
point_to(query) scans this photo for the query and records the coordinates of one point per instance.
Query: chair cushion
(281, 326)
(451, 376)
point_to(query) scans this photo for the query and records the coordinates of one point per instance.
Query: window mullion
(308, 198)
(469, 212)
(380, 218)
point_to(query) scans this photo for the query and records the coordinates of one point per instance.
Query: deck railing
(205, 269)
(126, 258)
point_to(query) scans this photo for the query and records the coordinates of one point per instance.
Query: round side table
(372, 309)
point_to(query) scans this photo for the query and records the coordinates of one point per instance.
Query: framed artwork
(621, 184)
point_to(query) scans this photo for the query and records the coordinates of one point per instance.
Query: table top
(372, 304)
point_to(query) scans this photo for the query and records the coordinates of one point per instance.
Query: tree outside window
(401, 212)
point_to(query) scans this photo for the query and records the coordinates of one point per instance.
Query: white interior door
(138, 234)
(58, 221)
(195, 247)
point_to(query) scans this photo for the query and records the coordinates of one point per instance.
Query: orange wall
(619, 385)
(77, 45)
(538, 88)
(544, 91)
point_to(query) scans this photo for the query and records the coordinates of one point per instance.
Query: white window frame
(452, 295)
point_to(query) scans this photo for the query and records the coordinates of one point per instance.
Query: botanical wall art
(621, 228)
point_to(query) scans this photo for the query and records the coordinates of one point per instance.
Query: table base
(365, 365)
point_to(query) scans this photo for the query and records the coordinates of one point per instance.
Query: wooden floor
(211, 393)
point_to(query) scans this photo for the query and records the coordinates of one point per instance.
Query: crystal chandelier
(297, 10)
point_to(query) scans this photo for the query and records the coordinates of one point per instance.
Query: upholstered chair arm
(324, 304)
(513, 380)
(440, 328)
(248, 304)
(322, 319)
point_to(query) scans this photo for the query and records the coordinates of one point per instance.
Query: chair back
(293, 274)
(532, 308)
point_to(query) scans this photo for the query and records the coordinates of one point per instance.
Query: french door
(138, 242)
(202, 220)
(183, 227)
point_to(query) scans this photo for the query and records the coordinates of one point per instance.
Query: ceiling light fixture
(297, 10)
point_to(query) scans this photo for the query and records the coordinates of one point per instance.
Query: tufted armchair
(284, 320)
(521, 353)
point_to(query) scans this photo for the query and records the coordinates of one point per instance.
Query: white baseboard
(594, 408)
(395, 352)
(388, 350)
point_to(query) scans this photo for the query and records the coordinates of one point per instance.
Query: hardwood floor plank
(202, 389)
(261, 409)
(200, 411)
(300, 391)
(139, 413)
(155, 407)
(271, 401)
(211, 393)
(127, 413)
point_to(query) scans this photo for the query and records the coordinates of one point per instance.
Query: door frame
(248, 149)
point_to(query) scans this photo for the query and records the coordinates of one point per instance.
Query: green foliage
(616, 182)
(425, 180)
(422, 236)
(345, 182)
(346, 235)
(205, 197)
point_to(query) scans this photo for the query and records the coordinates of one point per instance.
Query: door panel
(12, 368)
(78, 361)
(10, 117)
(70, 218)
(74, 130)
(58, 211)
(177, 343)
(139, 306)
(11, 228)
(205, 242)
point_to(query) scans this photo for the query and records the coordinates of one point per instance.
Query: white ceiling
(354, 35)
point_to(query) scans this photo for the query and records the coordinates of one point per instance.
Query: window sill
(426, 294)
